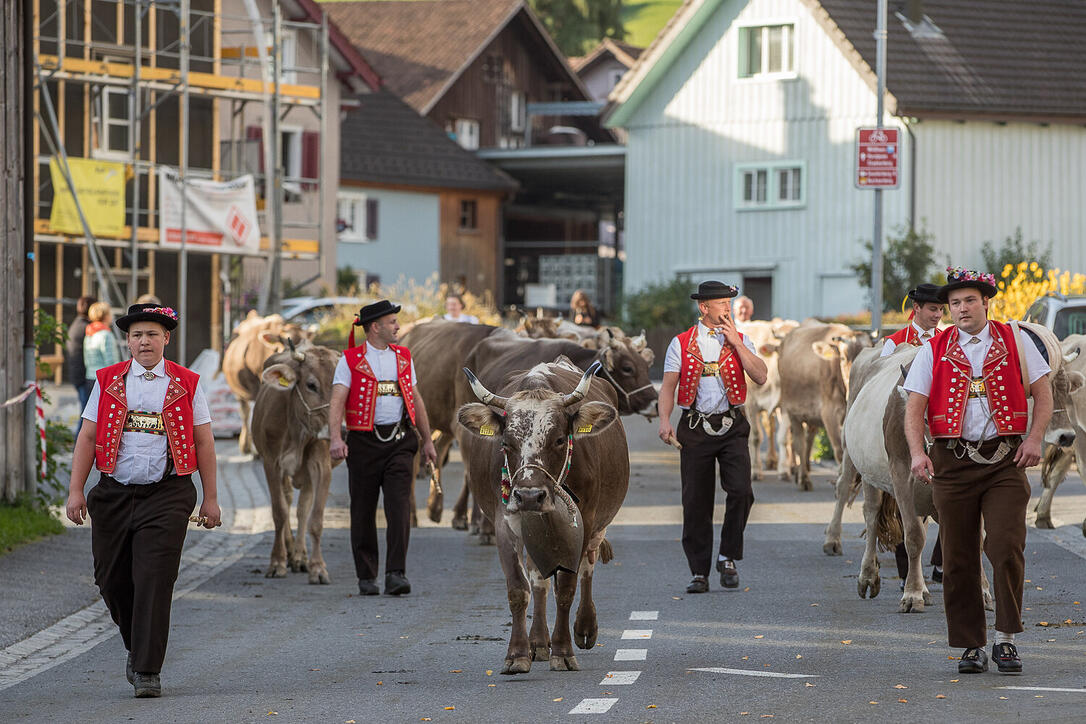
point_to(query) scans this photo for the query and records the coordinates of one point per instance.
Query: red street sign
(877, 158)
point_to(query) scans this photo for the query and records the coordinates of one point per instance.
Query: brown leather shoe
(973, 661)
(1006, 657)
(729, 576)
(148, 686)
(698, 584)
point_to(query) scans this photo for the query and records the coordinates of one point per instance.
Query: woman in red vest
(708, 363)
(147, 429)
(969, 380)
(374, 391)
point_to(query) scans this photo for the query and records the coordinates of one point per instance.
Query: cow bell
(554, 539)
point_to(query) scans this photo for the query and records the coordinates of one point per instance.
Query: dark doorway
(760, 291)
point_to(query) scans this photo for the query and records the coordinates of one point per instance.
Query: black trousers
(374, 467)
(137, 533)
(699, 458)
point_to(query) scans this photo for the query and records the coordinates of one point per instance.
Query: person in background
(99, 346)
(581, 310)
(73, 353)
(743, 309)
(148, 299)
(454, 310)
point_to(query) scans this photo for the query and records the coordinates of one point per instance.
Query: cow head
(536, 431)
(626, 363)
(843, 350)
(1061, 428)
(304, 377)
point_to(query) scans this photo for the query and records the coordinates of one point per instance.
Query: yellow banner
(100, 185)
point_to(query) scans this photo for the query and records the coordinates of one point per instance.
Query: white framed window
(767, 51)
(356, 218)
(114, 123)
(290, 150)
(777, 185)
(288, 46)
(517, 112)
(467, 133)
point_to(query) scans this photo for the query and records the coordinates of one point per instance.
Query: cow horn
(485, 396)
(1072, 355)
(582, 387)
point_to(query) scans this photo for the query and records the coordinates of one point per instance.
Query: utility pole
(876, 243)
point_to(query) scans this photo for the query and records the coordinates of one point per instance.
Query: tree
(1013, 251)
(908, 258)
(577, 25)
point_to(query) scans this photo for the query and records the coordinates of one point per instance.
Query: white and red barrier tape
(32, 387)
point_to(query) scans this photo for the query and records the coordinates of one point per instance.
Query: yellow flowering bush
(1020, 285)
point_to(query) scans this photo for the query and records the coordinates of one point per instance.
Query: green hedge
(23, 523)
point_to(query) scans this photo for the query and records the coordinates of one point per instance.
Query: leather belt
(149, 422)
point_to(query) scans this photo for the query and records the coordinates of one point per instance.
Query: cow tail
(888, 529)
(607, 553)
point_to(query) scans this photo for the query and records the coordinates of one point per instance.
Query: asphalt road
(793, 643)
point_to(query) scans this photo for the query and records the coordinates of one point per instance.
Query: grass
(22, 523)
(643, 19)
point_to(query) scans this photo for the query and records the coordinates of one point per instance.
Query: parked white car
(1064, 315)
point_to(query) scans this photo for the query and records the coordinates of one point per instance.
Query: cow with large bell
(549, 464)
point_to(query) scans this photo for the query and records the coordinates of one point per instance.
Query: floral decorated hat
(165, 316)
(958, 278)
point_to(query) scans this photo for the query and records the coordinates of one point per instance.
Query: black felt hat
(925, 294)
(958, 278)
(370, 312)
(714, 290)
(165, 316)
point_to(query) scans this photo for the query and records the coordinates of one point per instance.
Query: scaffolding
(134, 81)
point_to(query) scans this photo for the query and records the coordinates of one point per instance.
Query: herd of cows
(543, 401)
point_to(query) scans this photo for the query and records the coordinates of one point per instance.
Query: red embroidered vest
(176, 416)
(729, 364)
(362, 398)
(905, 335)
(1002, 374)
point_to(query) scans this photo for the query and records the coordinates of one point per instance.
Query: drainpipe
(908, 123)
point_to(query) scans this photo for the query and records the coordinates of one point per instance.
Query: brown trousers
(964, 492)
(137, 534)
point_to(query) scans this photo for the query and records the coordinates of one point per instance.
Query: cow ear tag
(284, 382)
(486, 430)
(583, 429)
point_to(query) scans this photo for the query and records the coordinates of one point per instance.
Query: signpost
(878, 156)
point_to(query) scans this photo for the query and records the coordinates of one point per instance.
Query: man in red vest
(924, 319)
(708, 363)
(972, 381)
(374, 391)
(147, 429)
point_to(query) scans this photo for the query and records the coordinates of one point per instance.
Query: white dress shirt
(464, 318)
(712, 397)
(977, 423)
(141, 459)
(383, 363)
(890, 345)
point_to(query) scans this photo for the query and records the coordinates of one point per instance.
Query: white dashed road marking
(631, 654)
(637, 633)
(1042, 688)
(593, 706)
(644, 615)
(620, 678)
(746, 672)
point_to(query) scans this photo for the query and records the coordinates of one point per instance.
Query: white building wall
(407, 247)
(700, 120)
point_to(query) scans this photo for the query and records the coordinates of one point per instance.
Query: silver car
(1064, 315)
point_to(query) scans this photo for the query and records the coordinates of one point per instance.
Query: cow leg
(320, 479)
(460, 509)
(280, 508)
(435, 503)
(796, 458)
(869, 582)
(484, 526)
(1054, 468)
(784, 447)
(916, 594)
(245, 435)
(299, 553)
(539, 638)
(518, 657)
(754, 443)
(586, 626)
(771, 431)
(985, 587)
(562, 658)
(805, 460)
(848, 477)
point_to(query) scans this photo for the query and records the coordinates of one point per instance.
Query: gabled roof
(993, 59)
(609, 47)
(348, 65)
(421, 47)
(385, 141)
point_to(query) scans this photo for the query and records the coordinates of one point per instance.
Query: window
(469, 212)
(288, 46)
(114, 123)
(291, 157)
(616, 76)
(767, 51)
(467, 133)
(771, 185)
(517, 112)
(356, 218)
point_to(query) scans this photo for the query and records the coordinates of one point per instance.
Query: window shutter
(311, 144)
(371, 219)
(256, 133)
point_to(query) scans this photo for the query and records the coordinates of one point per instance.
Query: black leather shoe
(973, 661)
(396, 584)
(367, 587)
(1006, 657)
(698, 584)
(148, 686)
(128, 672)
(936, 575)
(729, 576)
